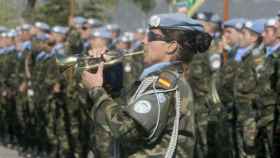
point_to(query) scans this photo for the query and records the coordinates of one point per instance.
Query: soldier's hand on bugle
(91, 80)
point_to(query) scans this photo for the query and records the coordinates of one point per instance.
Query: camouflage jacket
(248, 85)
(124, 124)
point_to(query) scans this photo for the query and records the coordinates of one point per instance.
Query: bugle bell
(72, 65)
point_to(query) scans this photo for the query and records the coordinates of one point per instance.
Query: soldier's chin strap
(174, 136)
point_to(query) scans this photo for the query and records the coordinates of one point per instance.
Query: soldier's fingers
(94, 53)
(85, 75)
(100, 52)
(100, 69)
(90, 52)
(103, 51)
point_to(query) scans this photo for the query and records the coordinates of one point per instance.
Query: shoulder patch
(167, 80)
(161, 98)
(142, 106)
(259, 60)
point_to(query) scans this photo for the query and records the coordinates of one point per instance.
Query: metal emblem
(249, 24)
(142, 107)
(30, 92)
(201, 16)
(161, 97)
(239, 25)
(127, 67)
(215, 61)
(155, 21)
(271, 22)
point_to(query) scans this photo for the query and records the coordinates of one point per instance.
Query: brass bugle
(79, 64)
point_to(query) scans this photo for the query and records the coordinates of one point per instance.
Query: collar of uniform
(26, 45)
(58, 46)
(2, 51)
(156, 68)
(272, 49)
(242, 52)
(10, 48)
(55, 50)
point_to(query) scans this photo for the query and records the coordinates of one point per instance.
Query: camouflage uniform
(133, 136)
(211, 116)
(74, 42)
(11, 86)
(275, 140)
(21, 98)
(78, 125)
(253, 102)
(3, 91)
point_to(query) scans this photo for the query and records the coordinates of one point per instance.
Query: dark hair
(191, 42)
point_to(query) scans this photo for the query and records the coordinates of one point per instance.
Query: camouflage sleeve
(227, 73)
(200, 75)
(74, 42)
(119, 123)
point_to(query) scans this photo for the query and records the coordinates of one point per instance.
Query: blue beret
(42, 26)
(140, 30)
(182, 5)
(79, 20)
(3, 29)
(102, 32)
(176, 21)
(235, 23)
(208, 16)
(12, 33)
(124, 39)
(94, 22)
(129, 35)
(4, 34)
(113, 27)
(26, 27)
(272, 22)
(60, 29)
(256, 25)
(42, 37)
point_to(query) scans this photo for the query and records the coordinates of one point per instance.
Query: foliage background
(129, 14)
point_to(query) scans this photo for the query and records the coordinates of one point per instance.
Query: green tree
(8, 14)
(54, 12)
(29, 9)
(100, 9)
(145, 5)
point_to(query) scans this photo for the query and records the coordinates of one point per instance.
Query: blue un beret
(12, 33)
(235, 23)
(3, 29)
(43, 26)
(26, 27)
(182, 5)
(112, 27)
(79, 21)
(272, 22)
(176, 21)
(102, 32)
(256, 25)
(94, 22)
(60, 29)
(208, 16)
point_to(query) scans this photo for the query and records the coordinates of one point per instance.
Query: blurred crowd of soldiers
(235, 85)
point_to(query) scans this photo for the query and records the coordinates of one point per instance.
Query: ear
(172, 47)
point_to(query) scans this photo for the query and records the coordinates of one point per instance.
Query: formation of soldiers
(235, 84)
